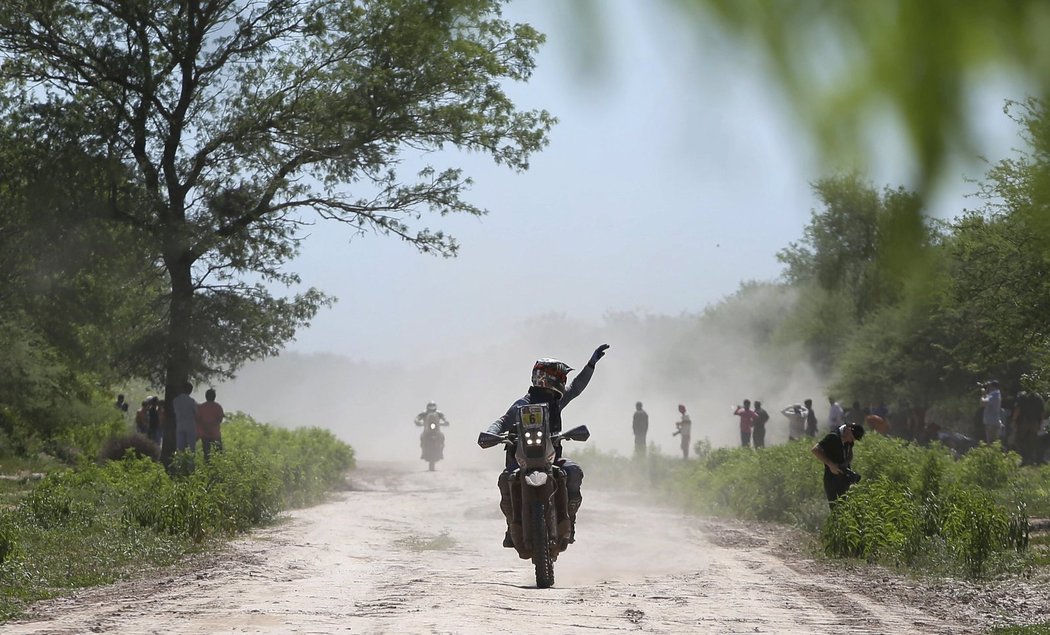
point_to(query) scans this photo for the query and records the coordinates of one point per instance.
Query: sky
(674, 174)
(664, 185)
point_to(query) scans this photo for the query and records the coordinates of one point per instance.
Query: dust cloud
(709, 362)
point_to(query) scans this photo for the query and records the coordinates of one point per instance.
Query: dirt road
(407, 551)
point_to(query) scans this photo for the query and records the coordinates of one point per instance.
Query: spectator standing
(899, 419)
(796, 421)
(834, 415)
(684, 428)
(1006, 416)
(1028, 416)
(758, 432)
(854, 415)
(185, 411)
(835, 451)
(811, 418)
(640, 426)
(991, 401)
(747, 421)
(154, 419)
(209, 418)
(124, 408)
(881, 410)
(917, 419)
(142, 419)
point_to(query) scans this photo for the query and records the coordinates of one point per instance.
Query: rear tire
(541, 549)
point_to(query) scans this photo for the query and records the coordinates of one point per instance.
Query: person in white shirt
(185, 408)
(834, 415)
(992, 400)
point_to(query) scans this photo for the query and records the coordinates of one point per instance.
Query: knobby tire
(541, 552)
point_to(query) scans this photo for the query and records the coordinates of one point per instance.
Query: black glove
(598, 354)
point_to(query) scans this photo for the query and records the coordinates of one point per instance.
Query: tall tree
(983, 312)
(239, 119)
(853, 259)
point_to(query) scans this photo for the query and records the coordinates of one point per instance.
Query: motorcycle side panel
(517, 532)
(561, 507)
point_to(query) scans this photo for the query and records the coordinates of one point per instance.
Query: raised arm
(584, 377)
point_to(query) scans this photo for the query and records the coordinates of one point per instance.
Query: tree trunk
(177, 365)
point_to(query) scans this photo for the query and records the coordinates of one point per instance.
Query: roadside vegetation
(917, 509)
(98, 521)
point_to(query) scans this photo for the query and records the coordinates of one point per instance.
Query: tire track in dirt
(410, 551)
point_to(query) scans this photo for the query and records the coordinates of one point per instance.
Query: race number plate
(533, 416)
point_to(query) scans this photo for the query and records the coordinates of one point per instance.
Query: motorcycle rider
(421, 420)
(548, 386)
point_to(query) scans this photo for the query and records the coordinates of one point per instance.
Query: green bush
(116, 447)
(95, 523)
(988, 467)
(8, 537)
(916, 507)
(975, 528)
(878, 521)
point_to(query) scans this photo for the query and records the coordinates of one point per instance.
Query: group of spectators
(1015, 421)
(801, 419)
(834, 450)
(193, 420)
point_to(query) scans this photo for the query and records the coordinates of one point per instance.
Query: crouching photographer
(835, 451)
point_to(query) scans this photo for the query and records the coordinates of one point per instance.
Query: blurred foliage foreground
(917, 508)
(100, 522)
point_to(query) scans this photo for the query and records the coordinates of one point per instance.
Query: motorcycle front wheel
(541, 552)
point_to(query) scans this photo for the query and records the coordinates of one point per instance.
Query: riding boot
(574, 505)
(507, 508)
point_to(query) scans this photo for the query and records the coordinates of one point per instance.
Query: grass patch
(1034, 629)
(441, 542)
(1040, 546)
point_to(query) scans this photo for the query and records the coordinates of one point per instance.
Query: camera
(850, 476)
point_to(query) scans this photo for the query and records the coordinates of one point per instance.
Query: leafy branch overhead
(222, 127)
(296, 99)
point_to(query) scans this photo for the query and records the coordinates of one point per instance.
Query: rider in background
(421, 420)
(548, 386)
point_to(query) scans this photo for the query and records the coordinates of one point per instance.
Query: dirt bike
(541, 526)
(432, 441)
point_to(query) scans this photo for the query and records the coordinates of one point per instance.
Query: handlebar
(488, 440)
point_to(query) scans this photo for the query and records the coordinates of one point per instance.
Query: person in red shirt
(747, 421)
(209, 417)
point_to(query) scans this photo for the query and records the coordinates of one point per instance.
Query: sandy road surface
(374, 560)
